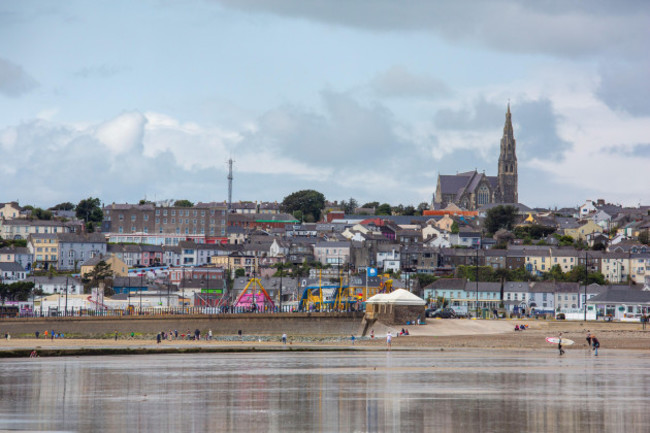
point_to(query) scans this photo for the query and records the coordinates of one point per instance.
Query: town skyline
(371, 104)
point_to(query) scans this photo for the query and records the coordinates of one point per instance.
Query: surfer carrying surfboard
(559, 344)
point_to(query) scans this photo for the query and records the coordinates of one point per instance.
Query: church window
(483, 195)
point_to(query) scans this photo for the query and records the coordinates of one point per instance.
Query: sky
(128, 100)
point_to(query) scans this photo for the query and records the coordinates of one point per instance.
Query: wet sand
(437, 334)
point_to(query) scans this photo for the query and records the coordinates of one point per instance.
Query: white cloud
(122, 134)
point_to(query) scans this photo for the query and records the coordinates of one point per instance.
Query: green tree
(90, 211)
(500, 217)
(644, 237)
(422, 207)
(17, 291)
(409, 210)
(63, 206)
(372, 204)
(455, 229)
(41, 214)
(383, 209)
(350, 205)
(240, 272)
(183, 203)
(425, 279)
(101, 273)
(308, 201)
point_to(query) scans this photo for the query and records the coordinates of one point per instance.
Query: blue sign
(371, 272)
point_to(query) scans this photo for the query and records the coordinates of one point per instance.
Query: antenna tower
(229, 185)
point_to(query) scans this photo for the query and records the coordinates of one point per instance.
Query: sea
(359, 391)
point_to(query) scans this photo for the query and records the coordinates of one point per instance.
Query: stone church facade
(471, 190)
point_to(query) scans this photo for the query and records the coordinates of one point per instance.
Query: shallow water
(329, 392)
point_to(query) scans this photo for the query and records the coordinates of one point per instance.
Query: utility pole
(66, 296)
(586, 280)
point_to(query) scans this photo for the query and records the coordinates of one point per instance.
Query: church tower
(507, 176)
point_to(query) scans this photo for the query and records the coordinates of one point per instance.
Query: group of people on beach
(592, 343)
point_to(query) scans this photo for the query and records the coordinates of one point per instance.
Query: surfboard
(555, 340)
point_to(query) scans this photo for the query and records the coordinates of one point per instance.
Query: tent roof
(399, 297)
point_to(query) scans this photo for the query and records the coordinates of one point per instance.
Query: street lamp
(477, 248)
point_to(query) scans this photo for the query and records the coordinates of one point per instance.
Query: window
(187, 213)
(146, 217)
(121, 217)
(173, 220)
(157, 212)
(164, 220)
(121, 230)
(173, 212)
(157, 220)
(132, 217)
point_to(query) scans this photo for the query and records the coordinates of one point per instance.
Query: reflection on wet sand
(411, 391)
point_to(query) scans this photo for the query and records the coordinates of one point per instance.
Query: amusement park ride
(315, 297)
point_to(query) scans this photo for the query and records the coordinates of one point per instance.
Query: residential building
(165, 225)
(76, 248)
(119, 268)
(9, 211)
(11, 272)
(20, 255)
(45, 249)
(332, 253)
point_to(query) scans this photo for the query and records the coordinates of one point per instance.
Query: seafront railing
(166, 311)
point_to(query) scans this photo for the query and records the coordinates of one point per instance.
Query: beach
(437, 334)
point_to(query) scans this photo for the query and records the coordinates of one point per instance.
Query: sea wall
(222, 324)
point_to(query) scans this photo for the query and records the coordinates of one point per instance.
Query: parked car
(443, 313)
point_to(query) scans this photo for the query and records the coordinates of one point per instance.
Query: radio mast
(229, 185)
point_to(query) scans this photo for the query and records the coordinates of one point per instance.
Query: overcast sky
(124, 100)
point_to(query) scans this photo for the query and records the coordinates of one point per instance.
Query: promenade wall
(222, 324)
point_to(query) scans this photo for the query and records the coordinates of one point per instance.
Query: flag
(371, 272)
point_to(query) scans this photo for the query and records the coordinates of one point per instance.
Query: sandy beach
(437, 334)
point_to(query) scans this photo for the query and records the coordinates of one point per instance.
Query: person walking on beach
(158, 338)
(284, 338)
(389, 339)
(588, 339)
(559, 344)
(595, 344)
(115, 335)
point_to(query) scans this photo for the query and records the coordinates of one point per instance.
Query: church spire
(507, 176)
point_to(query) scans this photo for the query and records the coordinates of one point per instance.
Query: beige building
(119, 268)
(9, 211)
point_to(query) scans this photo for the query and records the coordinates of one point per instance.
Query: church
(471, 190)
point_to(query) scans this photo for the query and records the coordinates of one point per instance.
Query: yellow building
(236, 261)
(45, 248)
(566, 259)
(119, 268)
(538, 261)
(445, 223)
(584, 230)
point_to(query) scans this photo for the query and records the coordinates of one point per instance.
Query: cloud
(97, 71)
(625, 86)
(14, 81)
(535, 125)
(550, 27)
(122, 134)
(398, 82)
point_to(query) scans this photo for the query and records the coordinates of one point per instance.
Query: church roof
(464, 182)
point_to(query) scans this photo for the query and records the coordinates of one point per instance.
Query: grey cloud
(535, 125)
(346, 133)
(625, 86)
(14, 81)
(397, 82)
(99, 71)
(638, 150)
(553, 27)
(482, 115)
(537, 135)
